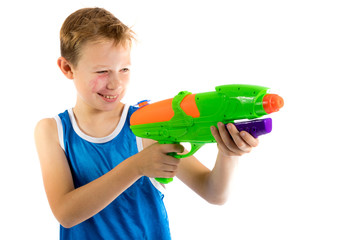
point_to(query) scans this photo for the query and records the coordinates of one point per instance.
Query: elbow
(69, 215)
(218, 200)
(215, 194)
(67, 224)
(66, 220)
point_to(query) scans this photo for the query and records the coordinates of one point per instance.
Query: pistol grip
(194, 148)
(164, 180)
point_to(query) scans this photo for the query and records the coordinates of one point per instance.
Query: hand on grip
(157, 161)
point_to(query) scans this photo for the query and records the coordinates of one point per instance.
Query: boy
(97, 175)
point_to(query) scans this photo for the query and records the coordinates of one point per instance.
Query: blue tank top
(139, 212)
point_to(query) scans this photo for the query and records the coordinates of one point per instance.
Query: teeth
(110, 97)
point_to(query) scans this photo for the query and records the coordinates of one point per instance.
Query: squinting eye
(125, 69)
(100, 72)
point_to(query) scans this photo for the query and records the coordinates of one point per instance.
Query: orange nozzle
(272, 103)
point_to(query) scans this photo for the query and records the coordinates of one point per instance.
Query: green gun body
(188, 117)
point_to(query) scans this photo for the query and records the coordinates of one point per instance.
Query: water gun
(188, 117)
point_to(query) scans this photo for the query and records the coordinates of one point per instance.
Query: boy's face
(102, 74)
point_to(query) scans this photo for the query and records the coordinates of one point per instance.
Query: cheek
(98, 83)
(126, 80)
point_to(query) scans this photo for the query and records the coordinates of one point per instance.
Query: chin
(110, 107)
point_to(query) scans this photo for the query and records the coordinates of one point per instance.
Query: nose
(114, 82)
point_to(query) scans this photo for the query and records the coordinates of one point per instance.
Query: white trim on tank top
(102, 139)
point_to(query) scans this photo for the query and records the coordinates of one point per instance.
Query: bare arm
(72, 206)
(213, 185)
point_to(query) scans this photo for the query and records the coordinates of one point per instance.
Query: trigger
(194, 148)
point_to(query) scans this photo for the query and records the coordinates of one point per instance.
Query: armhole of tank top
(160, 187)
(60, 131)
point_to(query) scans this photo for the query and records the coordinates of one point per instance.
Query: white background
(302, 182)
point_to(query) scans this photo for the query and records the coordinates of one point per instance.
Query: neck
(95, 122)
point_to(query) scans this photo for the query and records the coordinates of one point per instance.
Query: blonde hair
(91, 24)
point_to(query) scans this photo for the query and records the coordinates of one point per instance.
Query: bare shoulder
(46, 137)
(45, 126)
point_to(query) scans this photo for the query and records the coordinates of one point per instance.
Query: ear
(65, 67)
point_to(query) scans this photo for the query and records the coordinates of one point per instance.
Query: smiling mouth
(108, 96)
